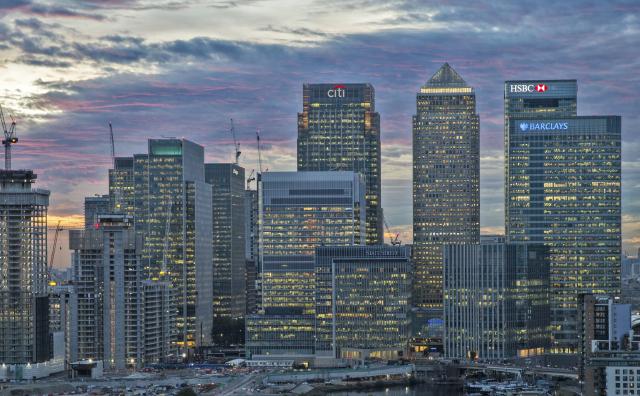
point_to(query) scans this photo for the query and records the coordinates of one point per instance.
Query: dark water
(412, 390)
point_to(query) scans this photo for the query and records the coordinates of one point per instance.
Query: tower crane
(113, 146)
(9, 138)
(251, 178)
(235, 142)
(259, 151)
(55, 245)
(394, 239)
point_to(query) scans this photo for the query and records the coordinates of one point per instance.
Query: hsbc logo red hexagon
(337, 91)
(524, 88)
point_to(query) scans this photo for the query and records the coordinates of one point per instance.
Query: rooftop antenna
(9, 139)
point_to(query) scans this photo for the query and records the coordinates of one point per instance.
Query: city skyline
(188, 81)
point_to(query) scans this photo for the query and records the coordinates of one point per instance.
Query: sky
(183, 68)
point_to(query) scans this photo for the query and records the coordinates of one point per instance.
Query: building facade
(24, 301)
(298, 212)
(229, 266)
(446, 180)
(496, 300)
(111, 296)
(251, 249)
(165, 191)
(563, 180)
(94, 206)
(339, 130)
(363, 296)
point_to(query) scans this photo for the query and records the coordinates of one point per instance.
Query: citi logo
(337, 92)
(522, 88)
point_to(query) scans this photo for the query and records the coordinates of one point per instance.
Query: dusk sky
(184, 67)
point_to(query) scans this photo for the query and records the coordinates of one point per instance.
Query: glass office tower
(298, 212)
(446, 180)
(339, 130)
(563, 178)
(362, 301)
(166, 193)
(229, 288)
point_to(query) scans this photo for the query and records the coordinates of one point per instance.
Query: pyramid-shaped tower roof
(446, 77)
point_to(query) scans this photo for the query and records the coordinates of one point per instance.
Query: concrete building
(298, 212)
(113, 300)
(339, 130)
(229, 265)
(63, 319)
(363, 296)
(446, 181)
(165, 191)
(562, 189)
(24, 300)
(496, 300)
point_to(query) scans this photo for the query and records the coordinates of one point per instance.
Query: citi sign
(336, 92)
(543, 126)
(523, 88)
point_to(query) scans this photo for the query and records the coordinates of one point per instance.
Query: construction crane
(55, 244)
(235, 142)
(251, 178)
(259, 151)
(394, 239)
(9, 139)
(113, 146)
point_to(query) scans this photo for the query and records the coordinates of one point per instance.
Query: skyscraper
(496, 300)
(562, 189)
(112, 309)
(24, 304)
(251, 248)
(298, 212)
(166, 193)
(339, 130)
(446, 180)
(362, 301)
(229, 287)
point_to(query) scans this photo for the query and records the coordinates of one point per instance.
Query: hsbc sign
(336, 92)
(524, 88)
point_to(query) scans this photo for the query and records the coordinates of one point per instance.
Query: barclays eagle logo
(524, 126)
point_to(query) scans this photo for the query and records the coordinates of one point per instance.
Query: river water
(411, 390)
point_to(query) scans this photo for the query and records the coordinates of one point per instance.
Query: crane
(55, 244)
(113, 146)
(235, 142)
(259, 151)
(251, 178)
(9, 138)
(394, 239)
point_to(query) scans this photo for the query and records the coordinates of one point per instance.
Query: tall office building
(496, 300)
(94, 206)
(229, 283)
(298, 212)
(339, 130)
(111, 304)
(24, 303)
(363, 298)
(166, 193)
(121, 186)
(251, 248)
(446, 180)
(562, 188)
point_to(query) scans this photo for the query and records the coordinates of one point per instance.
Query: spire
(446, 77)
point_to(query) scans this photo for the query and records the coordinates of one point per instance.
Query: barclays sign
(543, 126)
